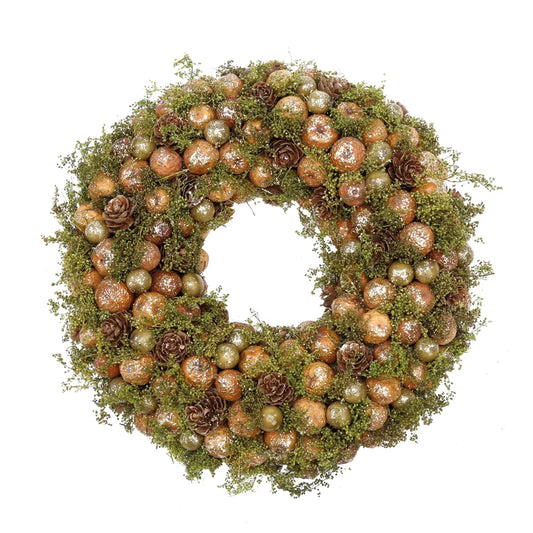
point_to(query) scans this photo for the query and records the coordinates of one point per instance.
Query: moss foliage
(452, 218)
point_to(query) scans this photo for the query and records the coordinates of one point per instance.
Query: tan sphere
(378, 416)
(318, 377)
(403, 204)
(281, 442)
(228, 385)
(113, 296)
(347, 304)
(168, 419)
(102, 256)
(350, 110)
(251, 356)
(130, 175)
(218, 442)
(419, 236)
(378, 292)
(409, 331)
(312, 171)
(384, 391)
(292, 107)
(326, 343)
(86, 213)
(164, 161)
(353, 194)
(347, 154)
(101, 185)
(377, 326)
(157, 201)
(230, 85)
(318, 132)
(232, 157)
(421, 295)
(241, 423)
(138, 371)
(261, 173)
(199, 372)
(200, 115)
(150, 256)
(375, 131)
(149, 308)
(314, 414)
(200, 157)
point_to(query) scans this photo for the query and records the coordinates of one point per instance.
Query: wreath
(373, 188)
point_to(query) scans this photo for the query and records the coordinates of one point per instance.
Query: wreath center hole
(262, 265)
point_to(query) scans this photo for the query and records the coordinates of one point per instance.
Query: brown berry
(292, 107)
(384, 391)
(165, 162)
(318, 132)
(353, 194)
(104, 369)
(228, 385)
(326, 343)
(312, 171)
(113, 296)
(157, 201)
(419, 236)
(314, 414)
(218, 442)
(252, 356)
(150, 256)
(421, 295)
(200, 115)
(130, 175)
(231, 156)
(318, 377)
(409, 331)
(377, 326)
(280, 442)
(378, 416)
(199, 372)
(149, 308)
(378, 292)
(350, 110)
(200, 157)
(403, 204)
(241, 423)
(375, 131)
(166, 283)
(347, 154)
(138, 371)
(101, 185)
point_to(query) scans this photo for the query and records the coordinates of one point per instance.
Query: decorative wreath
(289, 403)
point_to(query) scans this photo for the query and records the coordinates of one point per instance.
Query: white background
(70, 67)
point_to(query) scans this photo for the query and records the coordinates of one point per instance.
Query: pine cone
(329, 293)
(286, 153)
(115, 328)
(118, 213)
(319, 204)
(333, 86)
(404, 168)
(171, 120)
(354, 356)
(383, 242)
(270, 192)
(402, 107)
(276, 388)
(265, 92)
(206, 414)
(459, 297)
(172, 345)
(187, 185)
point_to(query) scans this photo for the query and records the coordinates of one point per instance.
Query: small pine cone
(224, 210)
(354, 356)
(333, 86)
(383, 242)
(187, 185)
(404, 169)
(270, 192)
(264, 92)
(173, 122)
(173, 345)
(329, 293)
(459, 297)
(455, 194)
(319, 204)
(276, 388)
(402, 107)
(118, 213)
(285, 153)
(115, 328)
(208, 413)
